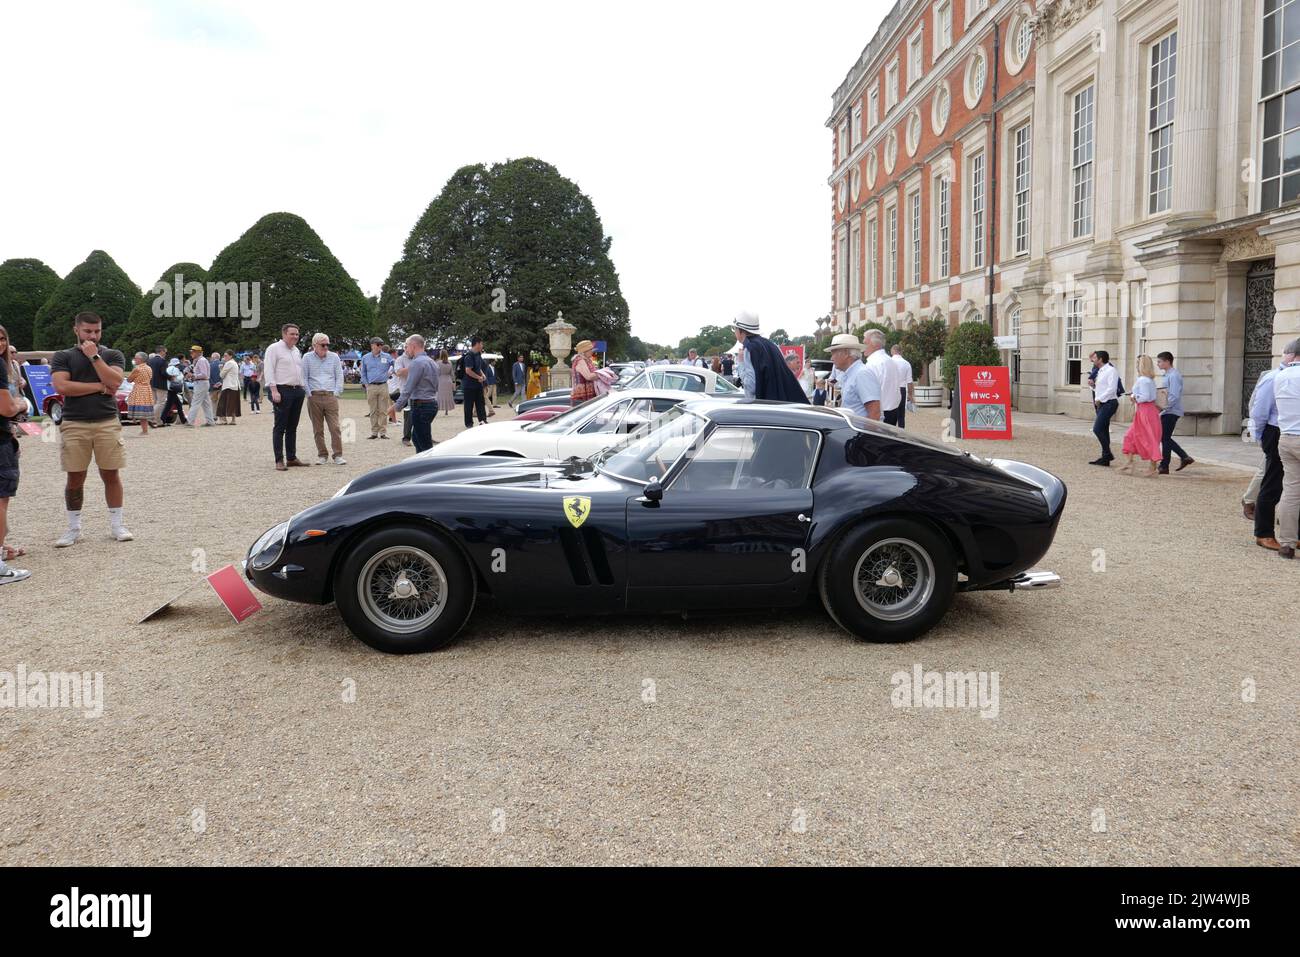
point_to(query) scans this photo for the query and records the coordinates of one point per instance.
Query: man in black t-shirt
(88, 378)
(472, 382)
(158, 382)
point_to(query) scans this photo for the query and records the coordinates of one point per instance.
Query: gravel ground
(1122, 735)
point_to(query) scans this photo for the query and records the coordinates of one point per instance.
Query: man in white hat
(772, 378)
(859, 389)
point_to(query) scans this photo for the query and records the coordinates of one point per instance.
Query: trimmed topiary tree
(499, 252)
(98, 285)
(25, 285)
(299, 281)
(145, 332)
(970, 344)
(922, 344)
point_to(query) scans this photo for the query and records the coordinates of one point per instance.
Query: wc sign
(985, 395)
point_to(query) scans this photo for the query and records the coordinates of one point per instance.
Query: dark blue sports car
(714, 505)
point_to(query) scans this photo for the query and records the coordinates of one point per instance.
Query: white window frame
(873, 258)
(942, 28)
(914, 227)
(873, 107)
(915, 57)
(842, 256)
(891, 249)
(1072, 341)
(942, 194)
(976, 213)
(1272, 137)
(891, 85)
(1161, 101)
(1083, 151)
(842, 142)
(1022, 162)
(855, 127)
(974, 8)
(855, 255)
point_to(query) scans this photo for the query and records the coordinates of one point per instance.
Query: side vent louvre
(573, 555)
(599, 560)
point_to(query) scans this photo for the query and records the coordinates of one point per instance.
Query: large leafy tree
(500, 252)
(970, 344)
(97, 285)
(299, 280)
(25, 285)
(145, 332)
(711, 340)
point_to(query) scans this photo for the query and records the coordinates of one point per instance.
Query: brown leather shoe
(281, 467)
(1269, 543)
(1286, 551)
(1248, 509)
(1183, 463)
(297, 463)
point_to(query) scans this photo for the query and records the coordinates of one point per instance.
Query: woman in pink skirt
(1143, 436)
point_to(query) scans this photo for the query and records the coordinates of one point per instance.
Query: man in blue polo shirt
(375, 366)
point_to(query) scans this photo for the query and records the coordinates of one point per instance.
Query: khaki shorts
(79, 440)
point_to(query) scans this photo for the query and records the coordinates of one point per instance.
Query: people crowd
(418, 381)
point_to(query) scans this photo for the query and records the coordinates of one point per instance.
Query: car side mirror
(654, 492)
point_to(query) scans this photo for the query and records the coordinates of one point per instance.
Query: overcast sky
(160, 132)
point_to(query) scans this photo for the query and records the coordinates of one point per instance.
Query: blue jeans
(1101, 425)
(422, 417)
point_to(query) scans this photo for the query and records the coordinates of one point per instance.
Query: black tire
(915, 554)
(56, 413)
(361, 589)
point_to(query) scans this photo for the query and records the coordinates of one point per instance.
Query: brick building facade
(1140, 180)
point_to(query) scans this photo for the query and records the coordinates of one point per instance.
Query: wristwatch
(96, 358)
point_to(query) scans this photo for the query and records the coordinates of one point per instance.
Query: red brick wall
(959, 117)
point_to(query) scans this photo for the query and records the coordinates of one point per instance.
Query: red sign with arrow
(985, 396)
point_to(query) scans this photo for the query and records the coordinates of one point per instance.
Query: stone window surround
(917, 36)
(1019, 17)
(936, 47)
(975, 140)
(907, 188)
(943, 167)
(1012, 118)
(1140, 32)
(1066, 76)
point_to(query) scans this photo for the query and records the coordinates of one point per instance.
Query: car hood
(477, 470)
(472, 436)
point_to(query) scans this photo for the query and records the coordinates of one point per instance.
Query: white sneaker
(70, 537)
(338, 460)
(8, 575)
(120, 534)
(322, 460)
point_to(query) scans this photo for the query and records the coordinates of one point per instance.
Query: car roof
(794, 415)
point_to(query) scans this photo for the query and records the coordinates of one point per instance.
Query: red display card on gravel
(234, 592)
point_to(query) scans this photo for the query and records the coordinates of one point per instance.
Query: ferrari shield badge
(576, 509)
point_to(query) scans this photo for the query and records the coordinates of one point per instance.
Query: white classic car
(580, 431)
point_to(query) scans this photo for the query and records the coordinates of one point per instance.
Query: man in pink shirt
(282, 366)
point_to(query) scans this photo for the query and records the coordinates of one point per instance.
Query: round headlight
(267, 549)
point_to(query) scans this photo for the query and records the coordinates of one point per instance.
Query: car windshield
(566, 419)
(650, 451)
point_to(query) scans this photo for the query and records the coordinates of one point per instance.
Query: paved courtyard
(1146, 710)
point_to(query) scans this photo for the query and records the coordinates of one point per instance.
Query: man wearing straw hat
(859, 389)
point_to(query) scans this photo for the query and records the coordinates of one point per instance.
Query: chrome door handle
(804, 518)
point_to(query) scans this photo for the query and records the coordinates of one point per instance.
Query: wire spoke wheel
(894, 579)
(402, 589)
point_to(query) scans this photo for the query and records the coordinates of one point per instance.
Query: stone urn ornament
(561, 336)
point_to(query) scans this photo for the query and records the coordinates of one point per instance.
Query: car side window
(722, 386)
(750, 458)
(606, 420)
